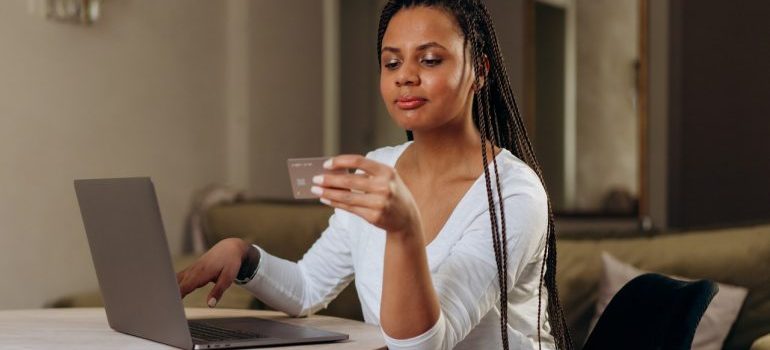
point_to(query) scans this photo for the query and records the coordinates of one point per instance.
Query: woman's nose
(408, 76)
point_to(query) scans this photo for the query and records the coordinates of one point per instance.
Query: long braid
(502, 253)
(497, 244)
(498, 239)
(496, 115)
(549, 276)
(558, 323)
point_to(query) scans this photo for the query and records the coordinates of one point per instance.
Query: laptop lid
(132, 260)
(133, 265)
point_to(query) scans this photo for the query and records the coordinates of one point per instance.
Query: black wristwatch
(249, 266)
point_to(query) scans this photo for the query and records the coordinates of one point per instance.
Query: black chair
(652, 311)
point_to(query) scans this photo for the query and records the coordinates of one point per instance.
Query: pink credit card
(301, 172)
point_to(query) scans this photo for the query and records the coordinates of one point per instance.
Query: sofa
(738, 256)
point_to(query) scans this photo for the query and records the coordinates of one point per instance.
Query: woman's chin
(408, 118)
(407, 124)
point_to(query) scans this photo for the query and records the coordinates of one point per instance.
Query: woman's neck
(449, 152)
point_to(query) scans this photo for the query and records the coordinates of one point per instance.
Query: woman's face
(426, 78)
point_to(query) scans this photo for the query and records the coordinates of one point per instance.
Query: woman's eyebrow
(419, 48)
(430, 45)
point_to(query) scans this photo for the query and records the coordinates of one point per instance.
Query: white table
(86, 328)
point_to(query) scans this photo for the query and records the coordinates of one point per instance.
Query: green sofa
(737, 256)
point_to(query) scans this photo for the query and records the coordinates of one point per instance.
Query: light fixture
(84, 12)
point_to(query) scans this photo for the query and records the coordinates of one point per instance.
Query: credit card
(301, 172)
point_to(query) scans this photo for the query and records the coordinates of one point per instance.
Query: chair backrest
(652, 311)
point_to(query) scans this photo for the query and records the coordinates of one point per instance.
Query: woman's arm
(298, 289)
(466, 280)
(409, 305)
(304, 287)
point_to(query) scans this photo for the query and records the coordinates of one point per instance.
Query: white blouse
(461, 261)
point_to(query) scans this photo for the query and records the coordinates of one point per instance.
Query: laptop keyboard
(208, 332)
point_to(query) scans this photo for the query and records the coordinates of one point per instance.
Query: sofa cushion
(285, 229)
(735, 256)
(762, 343)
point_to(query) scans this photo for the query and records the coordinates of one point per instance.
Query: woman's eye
(430, 62)
(391, 64)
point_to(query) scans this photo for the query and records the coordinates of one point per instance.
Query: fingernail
(318, 179)
(316, 190)
(328, 164)
(325, 201)
(212, 302)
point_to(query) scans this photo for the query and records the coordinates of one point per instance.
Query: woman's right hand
(219, 265)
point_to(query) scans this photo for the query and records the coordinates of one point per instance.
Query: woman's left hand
(378, 195)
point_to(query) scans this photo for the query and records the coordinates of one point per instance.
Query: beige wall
(607, 132)
(187, 92)
(657, 121)
(139, 93)
(286, 88)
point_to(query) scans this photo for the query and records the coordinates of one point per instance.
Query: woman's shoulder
(525, 198)
(518, 178)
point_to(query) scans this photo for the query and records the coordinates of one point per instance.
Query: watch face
(248, 266)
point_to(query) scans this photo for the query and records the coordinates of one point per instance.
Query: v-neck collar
(461, 204)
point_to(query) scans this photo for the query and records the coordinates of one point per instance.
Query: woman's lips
(410, 102)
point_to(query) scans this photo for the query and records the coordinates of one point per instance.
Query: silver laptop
(138, 283)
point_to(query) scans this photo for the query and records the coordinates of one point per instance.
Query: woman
(415, 223)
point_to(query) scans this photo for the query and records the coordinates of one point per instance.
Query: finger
(367, 200)
(370, 215)
(358, 182)
(187, 285)
(224, 281)
(192, 281)
(356, 161)
(186, 288)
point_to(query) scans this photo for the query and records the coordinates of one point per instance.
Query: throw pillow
(716, 322)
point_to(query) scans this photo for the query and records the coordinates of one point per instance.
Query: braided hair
(496, 116)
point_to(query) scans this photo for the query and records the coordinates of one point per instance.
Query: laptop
(141, 296)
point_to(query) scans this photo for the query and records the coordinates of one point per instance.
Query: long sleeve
(304, 287)
(466, 281)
